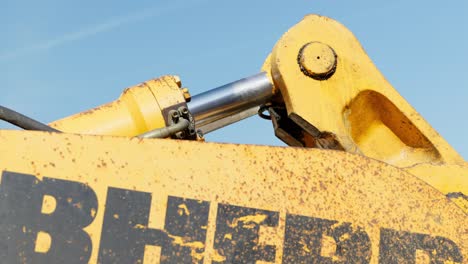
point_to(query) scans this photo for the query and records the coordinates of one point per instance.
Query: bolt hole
(318, 57)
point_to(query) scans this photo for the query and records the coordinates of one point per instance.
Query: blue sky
(61, 57)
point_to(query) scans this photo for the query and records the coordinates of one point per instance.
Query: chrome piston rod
(230, 103)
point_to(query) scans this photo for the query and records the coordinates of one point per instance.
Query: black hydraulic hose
(23, 121)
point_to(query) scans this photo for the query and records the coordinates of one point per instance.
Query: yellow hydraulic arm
(369, 181)
(332, 96)
(326, 93)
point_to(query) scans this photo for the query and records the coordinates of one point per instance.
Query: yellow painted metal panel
(198, 202)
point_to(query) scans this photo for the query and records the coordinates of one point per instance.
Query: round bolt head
(317, 60)
(175, 115)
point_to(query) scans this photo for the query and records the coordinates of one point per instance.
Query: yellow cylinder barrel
(138, 110)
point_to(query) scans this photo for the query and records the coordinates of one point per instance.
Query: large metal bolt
(184, 110)
(175, 115)
(317, 60)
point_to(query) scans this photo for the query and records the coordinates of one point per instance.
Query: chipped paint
(248, 220)
(183, 209)
(195, 247)
(217, 256)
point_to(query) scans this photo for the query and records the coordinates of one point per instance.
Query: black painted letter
(303, 241)
(21, 219)
(236, 237)
(125, 230)
(400, 247)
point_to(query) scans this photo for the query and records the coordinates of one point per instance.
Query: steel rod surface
(230, 99)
